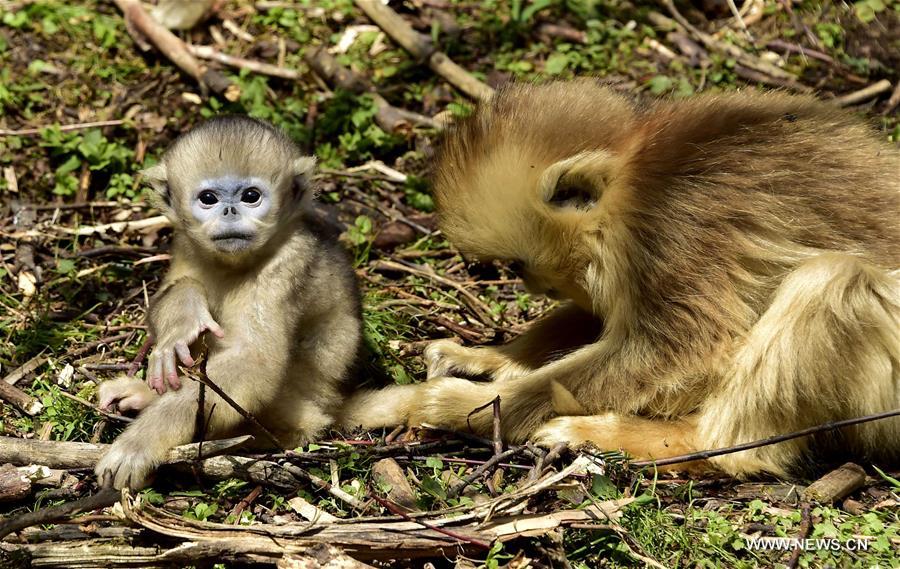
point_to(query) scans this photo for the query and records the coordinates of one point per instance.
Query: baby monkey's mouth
(232, 241)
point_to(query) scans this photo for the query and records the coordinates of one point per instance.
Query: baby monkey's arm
(178, 315)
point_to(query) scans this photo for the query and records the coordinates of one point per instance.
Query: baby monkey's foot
(447, 358)
(126, 394)
(126, 464)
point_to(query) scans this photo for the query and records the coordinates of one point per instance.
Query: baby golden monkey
(731, 265)
(250, 266)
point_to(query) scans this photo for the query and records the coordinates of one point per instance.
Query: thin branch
(805, 527)
(176, 50)
(103, 498)
(864, 94)
(139, 358)
(498, 441)
(208, 52)
(767, 441)
(421, 48)
(449, 533)
(483, 469)
(64, 127)
(324, 485)
(204, 379)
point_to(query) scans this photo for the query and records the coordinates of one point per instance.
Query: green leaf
(890, 479)
(68, 166)
(65, 266)
(659, 84)
(536, 7)
(37, 66)
(556, 63)
(602, 487)
(432, 486)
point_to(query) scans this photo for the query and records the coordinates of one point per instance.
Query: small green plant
(75, 150)
(523, 13)
(868, 10)
(201, 511)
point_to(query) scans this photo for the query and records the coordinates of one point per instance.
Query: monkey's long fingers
(184, 353)
(155, 373)
(170, 370)
(214, 327)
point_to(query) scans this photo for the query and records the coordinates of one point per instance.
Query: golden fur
(731, 262)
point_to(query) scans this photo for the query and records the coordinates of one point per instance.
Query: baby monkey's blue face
(230, 210)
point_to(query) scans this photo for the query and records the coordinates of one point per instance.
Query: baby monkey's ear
(157, 177)
(302, 184)
(579, 181)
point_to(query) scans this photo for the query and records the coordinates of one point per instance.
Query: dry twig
(388, 117)
(865, 94)
(176, 50)
(421, 49)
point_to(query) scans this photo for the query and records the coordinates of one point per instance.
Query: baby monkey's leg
(170, 420)
(827, 349)
(551, 337)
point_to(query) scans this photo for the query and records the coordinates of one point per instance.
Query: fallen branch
(837, 484)
(176, 50)
(102, 499)
(63, 128)
(767, 441)
(147, 224)
(893, 101)
(70, 455)
(768, 73)
(388, 117)
(449, 533)
(420, 47)
(865, 94)
(209, 52)
(19, 399)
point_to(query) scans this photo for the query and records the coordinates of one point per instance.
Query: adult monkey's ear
(302, 183)
(157, 177)
(578, 182)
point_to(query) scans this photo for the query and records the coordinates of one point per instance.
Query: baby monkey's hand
(174, 341)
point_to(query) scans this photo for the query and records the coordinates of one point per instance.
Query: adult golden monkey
(729, 264)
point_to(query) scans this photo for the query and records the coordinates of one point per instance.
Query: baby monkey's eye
(250, 195)
(208, 198)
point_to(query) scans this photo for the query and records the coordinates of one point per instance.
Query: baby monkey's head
(231, 184)
(532, 176)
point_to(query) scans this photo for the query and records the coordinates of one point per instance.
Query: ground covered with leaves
(81, 253)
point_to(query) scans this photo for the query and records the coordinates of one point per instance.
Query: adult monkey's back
(740, 250)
